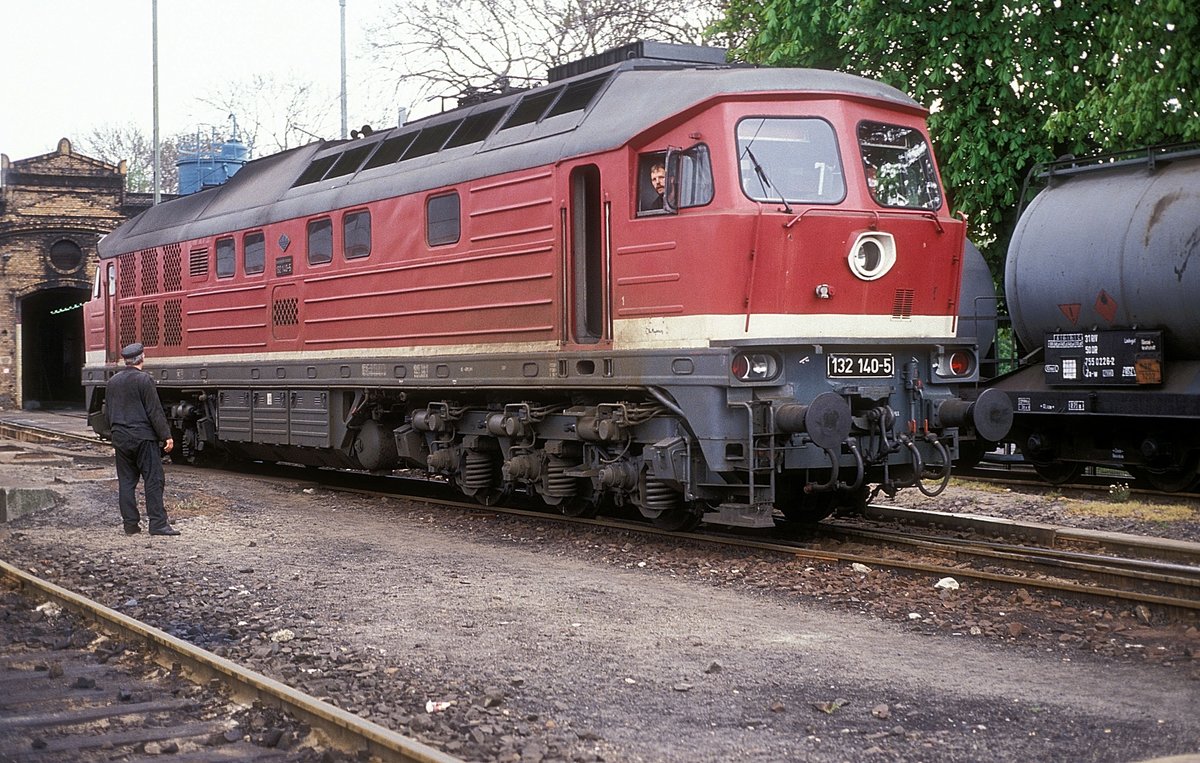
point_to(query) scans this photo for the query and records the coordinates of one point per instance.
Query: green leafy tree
(1009, 84)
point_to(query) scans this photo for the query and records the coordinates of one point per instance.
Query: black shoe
(132, 529)
(168, 530)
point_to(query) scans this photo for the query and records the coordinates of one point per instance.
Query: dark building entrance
(52, 348)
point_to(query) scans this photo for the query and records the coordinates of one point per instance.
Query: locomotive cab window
(254, 253)
(790, 160)
(652, 182)
(442, 224)
(356, 234)
(898, 166)
(225, 257)
(320, 241)
(672, 180)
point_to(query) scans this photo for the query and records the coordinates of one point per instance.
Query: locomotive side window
(254, 252)
(356, 234)
(320, 241)
(689, 177)
(315, 171)
(442, 224)
(652, 182)
(225, 257)
(530, 109)
(675, 179)
(790, 160)
(899, 166)
(390, 151)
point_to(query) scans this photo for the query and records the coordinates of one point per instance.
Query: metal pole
(157, 147)
(345, 133)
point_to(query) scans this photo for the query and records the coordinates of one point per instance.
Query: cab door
(589, 319)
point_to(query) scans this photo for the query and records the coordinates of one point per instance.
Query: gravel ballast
(510, 639)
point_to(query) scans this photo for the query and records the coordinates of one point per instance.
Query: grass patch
(1143, 510)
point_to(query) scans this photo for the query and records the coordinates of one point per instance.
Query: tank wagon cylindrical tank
(1103, 277)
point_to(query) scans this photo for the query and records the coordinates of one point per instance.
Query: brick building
(53, 210)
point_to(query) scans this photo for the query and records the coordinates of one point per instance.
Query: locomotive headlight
(955, 363)
(754, 366)
(872, 255)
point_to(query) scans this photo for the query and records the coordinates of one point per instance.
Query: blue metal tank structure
(207, 162)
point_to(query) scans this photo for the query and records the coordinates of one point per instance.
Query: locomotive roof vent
(658, 51)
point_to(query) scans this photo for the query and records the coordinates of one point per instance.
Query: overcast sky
(69, 66)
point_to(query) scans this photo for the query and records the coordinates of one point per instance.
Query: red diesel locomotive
(500, 295)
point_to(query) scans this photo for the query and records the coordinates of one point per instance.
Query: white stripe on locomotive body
(662, 332)
(653, 333)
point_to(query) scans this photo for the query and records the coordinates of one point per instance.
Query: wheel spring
(477, 471)
(557, 484)
(660, 496)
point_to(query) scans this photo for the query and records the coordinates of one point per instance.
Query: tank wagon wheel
(1166, 480)
(970, 453)
(1057, 472)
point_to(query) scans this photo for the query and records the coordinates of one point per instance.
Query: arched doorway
(52, 348)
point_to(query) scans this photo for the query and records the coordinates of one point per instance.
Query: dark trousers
(145, 462)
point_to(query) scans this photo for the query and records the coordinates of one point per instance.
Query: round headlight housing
(872, 255)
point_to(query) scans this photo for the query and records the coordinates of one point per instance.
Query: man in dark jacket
(140, 435)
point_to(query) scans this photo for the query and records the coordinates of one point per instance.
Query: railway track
(67, 697)
(1088, 564)
(1148, 571)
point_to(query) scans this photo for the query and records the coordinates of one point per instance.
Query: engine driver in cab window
(652, 182)
(669, 181)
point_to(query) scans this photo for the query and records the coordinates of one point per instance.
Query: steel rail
(32, 433)
(342, 729)
(1077, 589)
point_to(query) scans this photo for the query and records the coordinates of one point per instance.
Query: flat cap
(131, 351)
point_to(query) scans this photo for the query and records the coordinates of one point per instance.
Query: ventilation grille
(127, 325)
(173, 322)
(150, 324)
(902, 305)
(172, 267)
(285, 312)
(148, 259)
(198, 263)
(126, 266)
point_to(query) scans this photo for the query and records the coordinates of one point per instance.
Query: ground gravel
(508, 639)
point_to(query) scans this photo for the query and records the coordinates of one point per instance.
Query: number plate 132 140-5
(859, 365)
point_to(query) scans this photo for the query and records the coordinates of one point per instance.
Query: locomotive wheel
(492, 496)
(851, 503)
(1057, 472)
(579, 506)
(678, 520)
(801, 507)
(809, 509)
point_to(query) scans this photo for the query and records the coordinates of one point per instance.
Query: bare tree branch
(127, 143)
(446, 48)
(275, 115)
